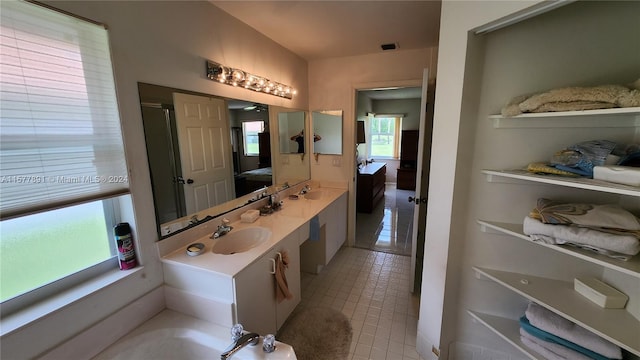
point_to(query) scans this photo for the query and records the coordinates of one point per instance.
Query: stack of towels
(607, 229)
(557, 338)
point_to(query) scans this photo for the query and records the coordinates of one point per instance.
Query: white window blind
(60, 135)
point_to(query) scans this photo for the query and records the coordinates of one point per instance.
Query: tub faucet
(223, 229)
(246, 339)
(304, 190)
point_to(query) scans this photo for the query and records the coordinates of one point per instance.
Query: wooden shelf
(631, 267)
(507, 329)
(615, 325)
(602, 118)
(578, 183)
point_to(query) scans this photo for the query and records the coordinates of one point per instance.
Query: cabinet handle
(273, 266)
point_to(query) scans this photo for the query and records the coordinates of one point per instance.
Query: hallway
(372, 288)
(389, 227)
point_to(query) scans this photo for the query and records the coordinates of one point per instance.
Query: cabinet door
(284, 308)
(255, 296)
(336, 232)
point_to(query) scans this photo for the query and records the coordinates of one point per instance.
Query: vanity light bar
(236, 77)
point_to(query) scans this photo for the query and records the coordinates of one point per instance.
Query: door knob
(181, 180)
(417, 200)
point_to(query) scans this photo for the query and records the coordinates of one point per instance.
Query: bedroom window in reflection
(250, 131)
(63, 174)
(384, 137)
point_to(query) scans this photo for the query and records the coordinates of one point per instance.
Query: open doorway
(400, 121)
(390, 118)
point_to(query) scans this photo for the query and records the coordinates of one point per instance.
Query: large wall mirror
(207, 155)
(327, 132)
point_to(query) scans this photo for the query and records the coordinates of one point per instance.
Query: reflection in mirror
(202, 166)
(290, 166)
(291, 131)
(327, 127)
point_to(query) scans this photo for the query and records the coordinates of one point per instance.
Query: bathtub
(172, 335)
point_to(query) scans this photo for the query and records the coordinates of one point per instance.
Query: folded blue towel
(314, 228)
(543, 335)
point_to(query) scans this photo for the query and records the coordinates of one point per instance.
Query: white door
(205, 151)
(422, 183)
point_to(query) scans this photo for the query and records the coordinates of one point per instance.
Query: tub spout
(246, 339)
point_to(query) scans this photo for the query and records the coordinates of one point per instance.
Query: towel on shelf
(549, 338)
(575, 98)
(563, 234)
(314, 228)
(586, 215)
(548, 349)
(282, 287)
(552, 323)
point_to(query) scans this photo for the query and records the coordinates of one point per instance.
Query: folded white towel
(555, 324)
(587, 215)
(550, 350)
(562, 234)
(550, 240)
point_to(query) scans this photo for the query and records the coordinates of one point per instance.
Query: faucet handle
(236, 332)
(269, 343)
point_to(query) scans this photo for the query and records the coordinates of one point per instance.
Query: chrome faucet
(246, 339)
(223, 229)
(304, 190)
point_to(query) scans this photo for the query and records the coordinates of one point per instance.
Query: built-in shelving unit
(602, 118)
(615, 325)
(631, 267)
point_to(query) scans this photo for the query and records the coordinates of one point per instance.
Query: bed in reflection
(251, 180)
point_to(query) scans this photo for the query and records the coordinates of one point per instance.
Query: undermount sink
(314, 195)
(238, 241)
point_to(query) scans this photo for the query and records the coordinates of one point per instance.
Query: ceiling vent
(391, 46)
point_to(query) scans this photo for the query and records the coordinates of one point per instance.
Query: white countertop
(294, 214)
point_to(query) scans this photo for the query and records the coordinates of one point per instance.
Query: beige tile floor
(372, 289)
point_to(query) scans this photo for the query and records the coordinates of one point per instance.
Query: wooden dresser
(370, 186)
(408, 160)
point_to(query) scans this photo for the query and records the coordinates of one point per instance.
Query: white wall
(409, 107)
(440, 272)
(164, 43)
(337, 91)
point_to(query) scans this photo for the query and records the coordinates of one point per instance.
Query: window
(384, 136)
(62, 163)
(250, 131)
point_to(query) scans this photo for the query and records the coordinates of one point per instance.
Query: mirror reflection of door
(160, 131)
(204, 141)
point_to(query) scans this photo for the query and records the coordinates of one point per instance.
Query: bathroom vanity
(240, 287)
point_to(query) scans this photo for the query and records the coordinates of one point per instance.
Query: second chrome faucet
(223, 229)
